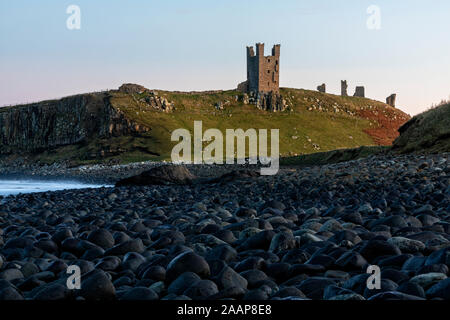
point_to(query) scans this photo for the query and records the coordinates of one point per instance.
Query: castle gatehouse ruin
(263, 73)
(263, 79)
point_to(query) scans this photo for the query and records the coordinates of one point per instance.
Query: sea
(15, 187)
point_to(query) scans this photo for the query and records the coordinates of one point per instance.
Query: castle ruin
(360, 92)
(262, 86)
(263, 79)
(391, 100)
(263, 72)
(322, 88)
(344, 87)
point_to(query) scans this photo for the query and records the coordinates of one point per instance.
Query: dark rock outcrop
(267, 101)
(163, 175)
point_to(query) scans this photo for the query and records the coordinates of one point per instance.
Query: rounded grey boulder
(187, 261)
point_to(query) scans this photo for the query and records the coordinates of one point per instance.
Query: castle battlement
(263, 72)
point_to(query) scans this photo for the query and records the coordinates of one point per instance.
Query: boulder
(163, 175)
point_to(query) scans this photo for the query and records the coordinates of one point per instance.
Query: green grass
(334, 156)
(300, 129)
(310, 125)
(136, 150)
(427, 132)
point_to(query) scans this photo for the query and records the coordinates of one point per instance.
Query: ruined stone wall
(322, 88)
(360, 92)
(391, 100)
(243, 87)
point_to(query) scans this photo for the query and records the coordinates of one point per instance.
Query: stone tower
(263, 72)
(344, 87)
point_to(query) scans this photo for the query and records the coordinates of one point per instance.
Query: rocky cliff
(49, 124)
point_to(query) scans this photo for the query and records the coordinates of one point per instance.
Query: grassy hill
(314, 122)
(426, 132)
